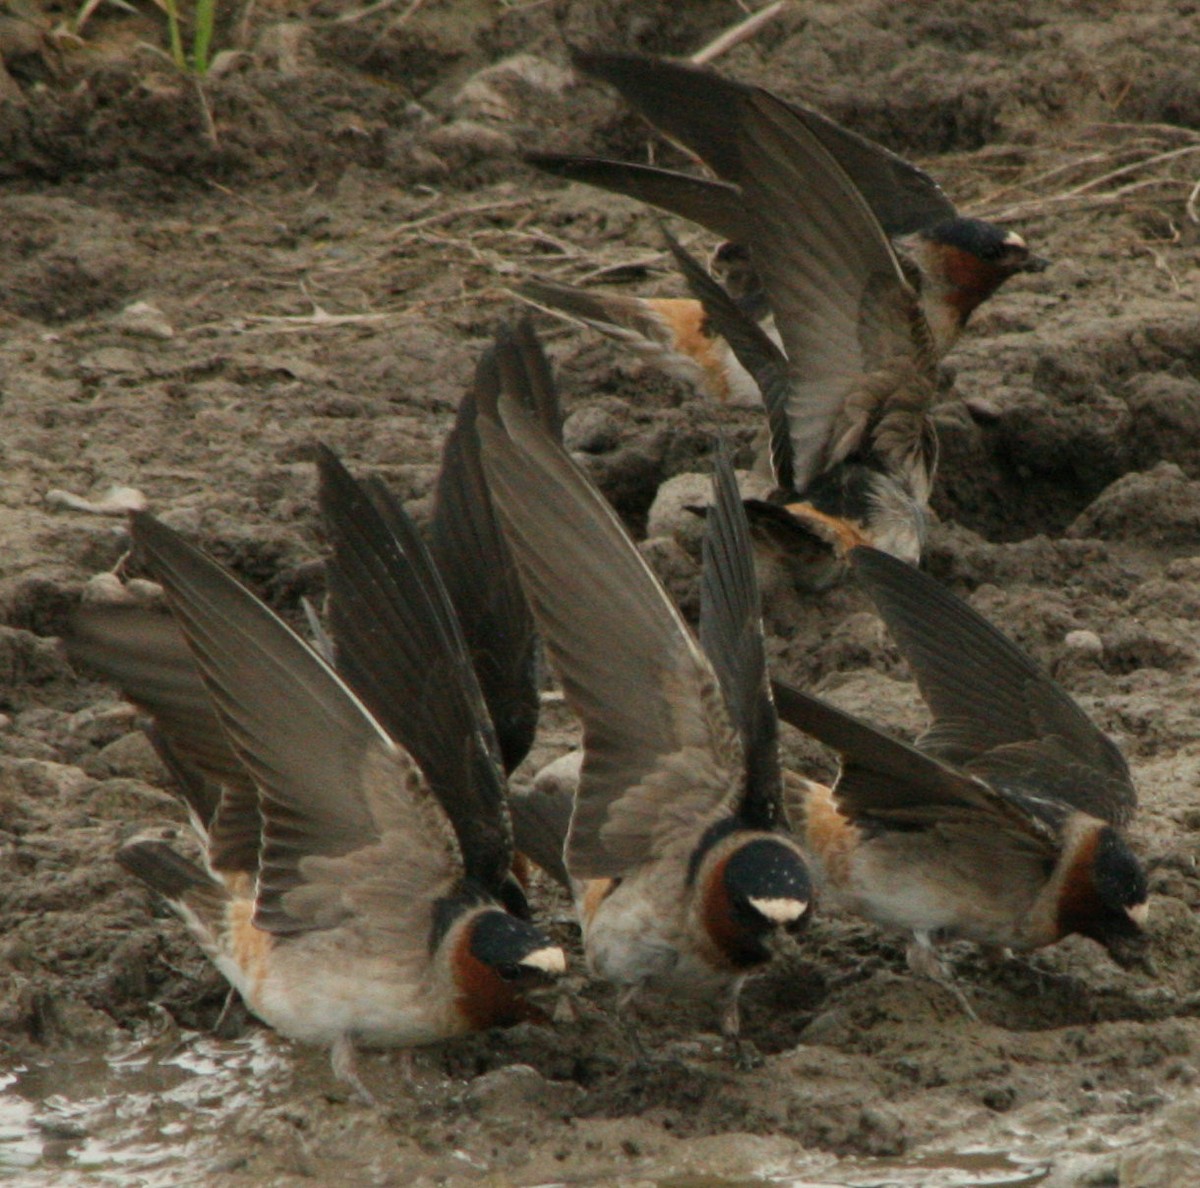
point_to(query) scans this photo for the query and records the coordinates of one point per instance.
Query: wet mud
(198, 282)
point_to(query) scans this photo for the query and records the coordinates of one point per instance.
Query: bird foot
(746, 1056)
(925, 963)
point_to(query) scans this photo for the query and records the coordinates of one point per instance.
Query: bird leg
(231, 1022)
(923, 961)
(628, 1027)
(345, 1068)
(746, 1057)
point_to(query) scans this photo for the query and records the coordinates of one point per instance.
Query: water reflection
(160, 1112)
(982, 1169)
(136, 1115)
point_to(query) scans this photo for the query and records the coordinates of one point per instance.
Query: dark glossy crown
(767, 868)
(503, 942)
(984, 240)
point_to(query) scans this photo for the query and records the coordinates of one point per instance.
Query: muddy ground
(323, 232)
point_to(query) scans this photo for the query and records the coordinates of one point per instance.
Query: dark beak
(1035, 264)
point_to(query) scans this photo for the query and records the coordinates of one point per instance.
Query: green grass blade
(176, 36)
(206, 14)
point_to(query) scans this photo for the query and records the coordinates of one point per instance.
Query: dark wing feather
(199, 793)
(994, 711)
(661, 756)
(851, 324)
(541, 818)
(886, 781)
(234, 820)
(716, 205)
(142, 651)
(338, 796)
(694, 106)
(482, 582)
(731, 633)
(398, 645)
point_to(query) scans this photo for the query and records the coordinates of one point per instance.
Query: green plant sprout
(204, 17)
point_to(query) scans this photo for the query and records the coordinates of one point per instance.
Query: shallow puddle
(141, 1114)
(159, 1113)
(964, 1170)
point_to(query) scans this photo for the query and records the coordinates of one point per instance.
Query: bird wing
(661, 755)
(693, 105)
(851, 325)
(541, 821)
(995, 713)
(885, 781)
(716, 205)
(731, 633)
(398, 645)
(141, 650)
(349, 827)
(481, 579)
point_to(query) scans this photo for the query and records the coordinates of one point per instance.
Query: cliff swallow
(955, 263)
(682, 875)
(869, 273)
(478, 574)
(1003, 824)
(349, 895)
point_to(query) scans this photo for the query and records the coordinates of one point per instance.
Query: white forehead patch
(1139, 912)
(549, 960)
(1012, 239)
(780, 911)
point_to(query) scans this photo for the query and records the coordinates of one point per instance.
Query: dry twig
(1098, 190)
(360, 14)
(736, 34)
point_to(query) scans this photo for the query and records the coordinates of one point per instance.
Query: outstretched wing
(349, 828)
(731, 633)
(995, 713)
(661, 756)
(716, 205)
(398, 645)
(851, 325)
(481, 577)
(693, 105)
(142, 651)
(882, 780)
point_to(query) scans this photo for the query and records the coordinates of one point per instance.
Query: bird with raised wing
(682, 872)
(350, 896)
(1003, 823)
(848, 369)
(954, 262)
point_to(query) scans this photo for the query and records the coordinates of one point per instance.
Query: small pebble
(591, 430)
(1086, 642)
(116, 501)
(145, 320)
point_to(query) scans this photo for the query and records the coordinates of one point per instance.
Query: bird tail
(196, 896)
(670, 333)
